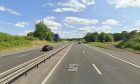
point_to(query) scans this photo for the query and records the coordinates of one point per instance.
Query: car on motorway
(47, 48)
(79, 42)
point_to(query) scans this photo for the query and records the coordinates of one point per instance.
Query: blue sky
(69, 18)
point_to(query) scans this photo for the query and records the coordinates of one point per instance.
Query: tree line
(110, 37)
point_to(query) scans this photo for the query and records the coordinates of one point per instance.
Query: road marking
(83, 52)
(73, 67)
(117, 58)
(51, 72)
(23, 55)
(99, 72)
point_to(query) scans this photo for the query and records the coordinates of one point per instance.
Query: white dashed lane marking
(99, 72)
(23, 55)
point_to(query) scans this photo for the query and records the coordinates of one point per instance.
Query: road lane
(53, 69)
(13, 60)
(75, 69)
(113, 70)
(93, 67)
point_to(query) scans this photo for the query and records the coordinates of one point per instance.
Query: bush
(30, 38)
(131, 43)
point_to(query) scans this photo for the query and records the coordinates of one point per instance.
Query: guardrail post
(25, 73)
(53, 55)
(49, 57)
(37, 66)
(44, 61)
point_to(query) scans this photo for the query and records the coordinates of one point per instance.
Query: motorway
(10, 61)
(84, 64)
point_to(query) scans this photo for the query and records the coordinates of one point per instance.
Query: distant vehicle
(47, 48)
(79, 42)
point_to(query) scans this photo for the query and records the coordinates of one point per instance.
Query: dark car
(47, 48)
(79, 42)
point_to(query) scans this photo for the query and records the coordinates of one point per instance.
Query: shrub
(131, 43)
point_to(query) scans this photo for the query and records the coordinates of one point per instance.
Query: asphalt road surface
(10, 61)
(86, 65)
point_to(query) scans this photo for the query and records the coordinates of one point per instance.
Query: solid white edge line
(99, 72)
(51, 72)
(116, 58)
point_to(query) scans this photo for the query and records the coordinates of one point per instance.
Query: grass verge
(99, 44)
(132, 50)
(22, 45)
(107, 45)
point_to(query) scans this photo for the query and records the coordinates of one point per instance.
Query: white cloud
(51, 23)
(66, 34)
(25, 33)
(74, 5)
(13, 12)
(137, 23)
(87, 29)
(21, 24)
(68, 26)
(47, 4)
(79, 21)
(111, 22)
(124, 3)
(106, 29)
(4, 9)
(88, 2)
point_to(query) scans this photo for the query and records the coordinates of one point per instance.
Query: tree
(87, 37)
(124, 35)
(95, 36)
(109, 38)
(102, 37)
(30, 34)
(133, 33)
(117, 36)
(43, 32)
(91, 37)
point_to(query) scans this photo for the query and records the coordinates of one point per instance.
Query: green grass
(99, 44)
(21, 44)
(132, 44)
(116, 43)
(106, 45)
(8, 42)
(132, 50)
